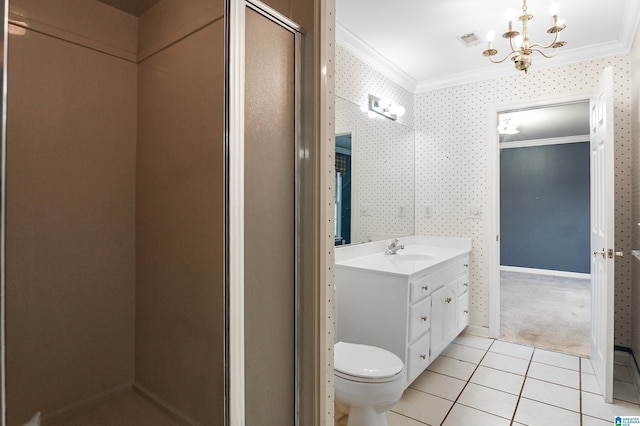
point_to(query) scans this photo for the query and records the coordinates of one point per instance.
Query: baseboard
(86, 403)
(477, 330)
(563, 274)
(632, 363)
(166, 407)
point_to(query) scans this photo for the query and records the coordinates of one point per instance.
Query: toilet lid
(365, 361)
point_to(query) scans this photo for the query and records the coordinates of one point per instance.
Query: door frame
(235, 406)
(492, 222)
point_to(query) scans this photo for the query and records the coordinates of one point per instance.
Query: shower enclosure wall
(114, 207)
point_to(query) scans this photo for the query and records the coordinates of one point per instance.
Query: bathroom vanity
(412, 303)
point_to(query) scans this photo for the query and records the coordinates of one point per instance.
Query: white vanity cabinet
(412, 314)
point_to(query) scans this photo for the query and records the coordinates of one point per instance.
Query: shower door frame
(234, 109)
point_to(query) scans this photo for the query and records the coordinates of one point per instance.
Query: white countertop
(420, 253)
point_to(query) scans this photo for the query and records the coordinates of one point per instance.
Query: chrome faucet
(393, 247)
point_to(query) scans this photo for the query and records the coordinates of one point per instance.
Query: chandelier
(521, 47)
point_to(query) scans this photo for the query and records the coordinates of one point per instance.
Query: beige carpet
(545, 311)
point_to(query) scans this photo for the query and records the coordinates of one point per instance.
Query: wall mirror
(374, 176)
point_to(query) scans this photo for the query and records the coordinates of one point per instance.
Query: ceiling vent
(470, 39)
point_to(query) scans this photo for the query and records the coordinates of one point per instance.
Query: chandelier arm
(503, 59)
(550, 45)
(539, 46)
(545, 55)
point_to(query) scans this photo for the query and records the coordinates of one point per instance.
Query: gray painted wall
(544, 207)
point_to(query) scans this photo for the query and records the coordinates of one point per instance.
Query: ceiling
(132, 7)
(414, 42)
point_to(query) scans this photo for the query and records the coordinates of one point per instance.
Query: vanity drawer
(420, 288)
(463, 312)
(463, 284)
(419, 318)
(418, 357)
(463, 265)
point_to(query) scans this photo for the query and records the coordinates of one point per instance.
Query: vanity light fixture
(385, 108)
(521, 47)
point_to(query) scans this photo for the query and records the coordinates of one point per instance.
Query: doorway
(544, 228)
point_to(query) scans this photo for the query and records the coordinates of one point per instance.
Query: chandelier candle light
(521, 47)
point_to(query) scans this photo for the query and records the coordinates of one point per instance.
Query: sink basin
(410, 257)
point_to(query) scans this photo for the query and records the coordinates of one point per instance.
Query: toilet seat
(364, 363)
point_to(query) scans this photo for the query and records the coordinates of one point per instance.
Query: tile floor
(478, 381)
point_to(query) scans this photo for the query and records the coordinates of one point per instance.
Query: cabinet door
(443, 317)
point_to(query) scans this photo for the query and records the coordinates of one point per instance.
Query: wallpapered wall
(635, 167)
(452, 156)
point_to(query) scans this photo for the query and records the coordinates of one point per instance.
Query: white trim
(492, 220)
(493, 71)
(371, 57)
(235, 362)
(3, 180)
(476, 330)
(543, 142)
(564, 274)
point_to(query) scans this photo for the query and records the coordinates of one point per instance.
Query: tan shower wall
(180, 218)
(70, 220)
(86, 22)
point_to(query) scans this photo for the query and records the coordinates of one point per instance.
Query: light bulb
(553, 9)
(491, 36)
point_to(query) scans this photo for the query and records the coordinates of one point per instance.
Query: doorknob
(608, 253)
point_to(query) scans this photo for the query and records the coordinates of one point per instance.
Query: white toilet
(369, 381)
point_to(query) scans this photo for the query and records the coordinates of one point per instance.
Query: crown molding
(494, 71)
(371, 57)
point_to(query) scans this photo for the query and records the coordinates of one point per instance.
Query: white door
(602, 232)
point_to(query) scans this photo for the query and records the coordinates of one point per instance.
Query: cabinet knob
(447, 300)
(425, 287)
(466, 284)
(466, 311)
(423, 356)
(466, 265)
(424, 318)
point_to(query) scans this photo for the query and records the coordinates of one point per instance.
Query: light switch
(427, 211)
(365, 210)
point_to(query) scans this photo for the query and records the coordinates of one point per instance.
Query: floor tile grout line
(580, 387)
(466, 384)
(526, 374)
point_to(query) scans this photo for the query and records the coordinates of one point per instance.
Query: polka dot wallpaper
(453, 133)
(635, 221)
(355, 80)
